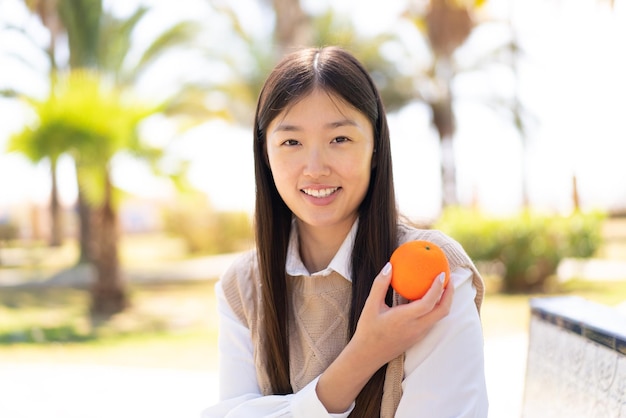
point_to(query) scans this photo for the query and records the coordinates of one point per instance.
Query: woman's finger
(432, 297)
(433, 294)
(445, 302)
(381, 283)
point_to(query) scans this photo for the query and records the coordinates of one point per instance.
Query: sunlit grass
(168, 325)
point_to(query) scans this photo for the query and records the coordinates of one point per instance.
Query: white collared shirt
(443, 373)
(339, 264)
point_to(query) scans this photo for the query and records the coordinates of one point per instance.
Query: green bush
(9, 231)
(530, 246)
(206, 231)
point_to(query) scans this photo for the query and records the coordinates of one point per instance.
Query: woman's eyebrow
(285, 127)
(342, 122)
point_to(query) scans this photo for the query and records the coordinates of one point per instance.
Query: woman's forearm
(342, 381)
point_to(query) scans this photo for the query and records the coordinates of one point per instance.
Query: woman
(309, 326)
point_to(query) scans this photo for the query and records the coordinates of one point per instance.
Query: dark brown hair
(338, 72)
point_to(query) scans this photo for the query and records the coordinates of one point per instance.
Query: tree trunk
(56, 224)
(108, 295)
(49, 18)
(448, 173)
(84, 230)
(448, 25)
(35, 224)
(443, 120)
(293, 25)
(83, 210)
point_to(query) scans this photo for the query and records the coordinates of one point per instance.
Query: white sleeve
(240, 395)
(444, 374)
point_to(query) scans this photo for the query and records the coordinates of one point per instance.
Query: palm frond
(190, 106)
(23, 33)
(178, 35)
(81, 19)
(395, 87)
(115, 40)
(236, 24)
(502, 54)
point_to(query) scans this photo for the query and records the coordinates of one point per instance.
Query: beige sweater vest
(318, 316)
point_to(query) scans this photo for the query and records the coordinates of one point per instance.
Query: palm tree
(446, 25)
(99, 41)
(91, 120)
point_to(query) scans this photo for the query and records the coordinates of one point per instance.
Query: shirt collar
(340, 263)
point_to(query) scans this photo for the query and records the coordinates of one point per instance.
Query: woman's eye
(340, 139)
(290, 142)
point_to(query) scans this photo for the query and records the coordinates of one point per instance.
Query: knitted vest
(318, 316)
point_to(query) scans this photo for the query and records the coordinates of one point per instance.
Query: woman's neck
(318, 245)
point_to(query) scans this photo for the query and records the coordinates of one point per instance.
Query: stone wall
(576, 365)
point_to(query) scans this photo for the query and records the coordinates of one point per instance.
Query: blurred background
(126, 173)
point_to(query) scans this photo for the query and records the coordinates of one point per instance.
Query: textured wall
(576, 363)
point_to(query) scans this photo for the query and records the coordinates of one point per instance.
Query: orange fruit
(415, 265)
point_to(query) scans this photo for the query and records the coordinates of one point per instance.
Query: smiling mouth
(320, 192)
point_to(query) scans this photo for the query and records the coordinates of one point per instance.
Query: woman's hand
(382, 334)
(388, 332)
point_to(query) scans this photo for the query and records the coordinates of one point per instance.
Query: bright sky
(572, 79)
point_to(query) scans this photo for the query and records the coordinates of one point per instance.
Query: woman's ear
(374, 159)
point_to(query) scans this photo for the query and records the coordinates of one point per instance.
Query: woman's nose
(316, 164)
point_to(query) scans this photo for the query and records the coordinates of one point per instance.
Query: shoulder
(240, 284)
(244, 265)
(449, 245)
(455, 253)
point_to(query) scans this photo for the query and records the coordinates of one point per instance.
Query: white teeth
(320, 192)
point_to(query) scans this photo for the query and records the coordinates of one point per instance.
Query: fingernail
(441, 277)
(387, 269)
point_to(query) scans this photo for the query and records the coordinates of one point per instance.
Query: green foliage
(9, 231)
(584, 233)
(206, 231)
(530, 246)
(88, 118)
(232, 231)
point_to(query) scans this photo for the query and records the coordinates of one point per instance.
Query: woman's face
(320, 154)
